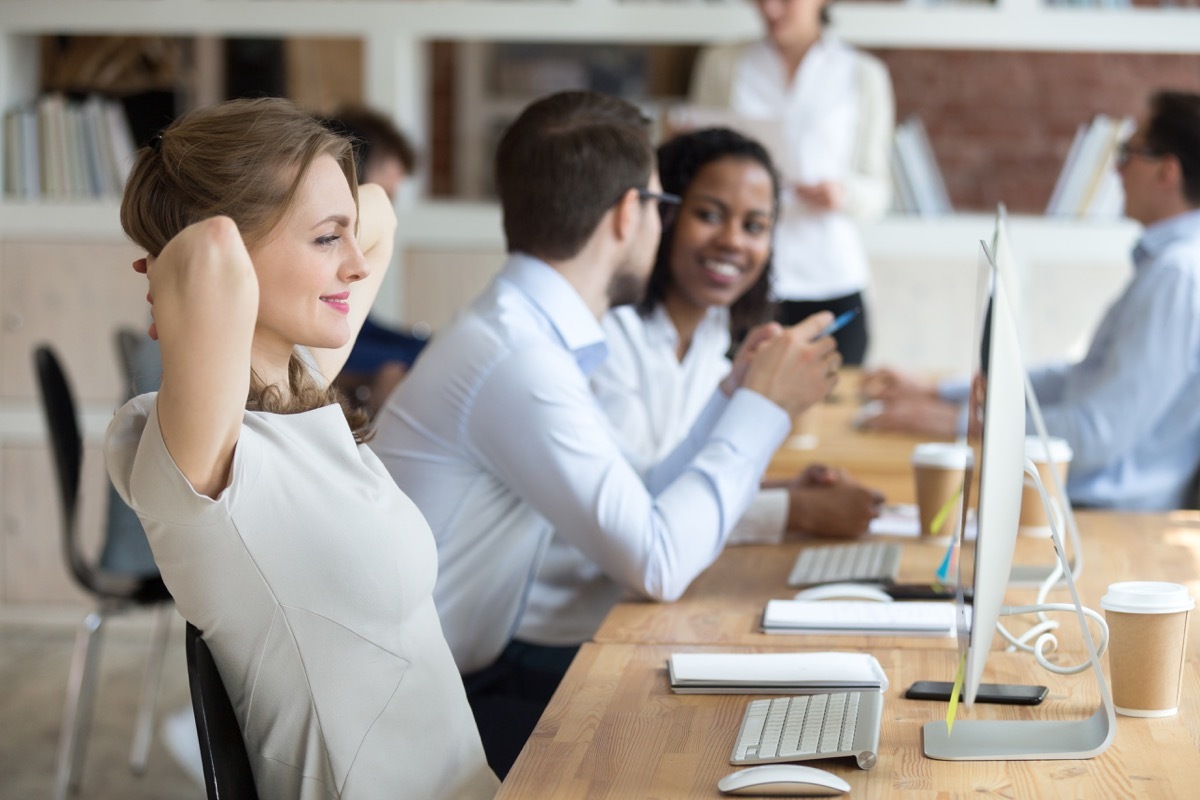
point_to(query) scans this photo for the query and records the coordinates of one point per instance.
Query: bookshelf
(64, 266)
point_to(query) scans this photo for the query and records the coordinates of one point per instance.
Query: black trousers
(509, 697)
(851, 340)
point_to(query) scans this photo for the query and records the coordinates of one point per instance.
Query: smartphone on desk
(925, 591)
(1006, 693)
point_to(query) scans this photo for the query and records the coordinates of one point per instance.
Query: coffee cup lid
(1147, 597)
(944, 455)
(1059, 450)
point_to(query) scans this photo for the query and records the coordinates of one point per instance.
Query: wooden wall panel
(73, 295)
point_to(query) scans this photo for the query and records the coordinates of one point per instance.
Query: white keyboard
(811, 726)
(861, 562)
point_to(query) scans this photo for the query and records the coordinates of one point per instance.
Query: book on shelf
(918, 187)
(774, 673)
(1088, 186)
(60, 149)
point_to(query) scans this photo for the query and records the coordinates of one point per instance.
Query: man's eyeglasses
(1126, 151)
(663, 198)
(667, 202)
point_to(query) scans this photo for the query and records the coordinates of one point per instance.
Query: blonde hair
(243, 159)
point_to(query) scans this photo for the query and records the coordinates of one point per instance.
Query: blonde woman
(280, 536)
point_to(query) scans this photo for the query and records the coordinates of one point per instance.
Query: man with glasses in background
(496, 437)
(1130, 410)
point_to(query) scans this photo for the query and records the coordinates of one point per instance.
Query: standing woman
(279, 534)
(837, 114)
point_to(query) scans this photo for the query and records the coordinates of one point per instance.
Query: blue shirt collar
(562, 307)
(1156, 237)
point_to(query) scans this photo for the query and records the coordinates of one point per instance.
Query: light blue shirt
(1131, 408)
(496, 437)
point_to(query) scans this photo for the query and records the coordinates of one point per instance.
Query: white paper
(797, 673)
(919, 618)
(904, 521)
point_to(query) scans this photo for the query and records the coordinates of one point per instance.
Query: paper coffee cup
(938, 469)
(1033, 514)
(1147, 636)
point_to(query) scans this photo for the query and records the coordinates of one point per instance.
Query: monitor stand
(1032, 740)
(1034, 575)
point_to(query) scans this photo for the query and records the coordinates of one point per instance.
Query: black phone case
(938, 690)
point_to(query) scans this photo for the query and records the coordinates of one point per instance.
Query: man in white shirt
(496, 435)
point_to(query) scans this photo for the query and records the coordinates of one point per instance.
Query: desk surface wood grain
(615, 730)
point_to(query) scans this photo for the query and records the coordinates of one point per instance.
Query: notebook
(774, 673)
(917, 618)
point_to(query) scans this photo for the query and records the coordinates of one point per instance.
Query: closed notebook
(774, 673)
(920, 618)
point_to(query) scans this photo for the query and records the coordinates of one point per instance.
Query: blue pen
(841, 321)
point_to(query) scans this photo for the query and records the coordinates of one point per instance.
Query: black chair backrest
(66, 444)
(227, 774)
(58, 407)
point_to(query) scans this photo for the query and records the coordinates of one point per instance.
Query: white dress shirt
(1131, 408)
(838, 115)
(496, 437)
(652, 400)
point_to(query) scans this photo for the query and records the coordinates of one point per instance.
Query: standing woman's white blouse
(311, 576)
(838, 116)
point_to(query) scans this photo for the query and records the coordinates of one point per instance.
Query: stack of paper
(904, 520)
(919, 618)
(774, 673)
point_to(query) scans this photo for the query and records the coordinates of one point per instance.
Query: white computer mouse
(844, 591)
(783, 780)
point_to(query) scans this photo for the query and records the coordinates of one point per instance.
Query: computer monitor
(1045, 575)
(985, 563)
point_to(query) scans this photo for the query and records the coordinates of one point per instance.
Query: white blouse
(838, 115)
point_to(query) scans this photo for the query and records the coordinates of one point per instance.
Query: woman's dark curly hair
(679, 161)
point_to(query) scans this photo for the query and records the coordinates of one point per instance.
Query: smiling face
(306, 265)
(722, 238)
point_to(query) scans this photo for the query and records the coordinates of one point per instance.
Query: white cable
(1046, 640)
(1044, 625)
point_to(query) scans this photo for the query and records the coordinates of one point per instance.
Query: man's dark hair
(679, 161)
(374, 136)
(1174, 129)
(563, 163)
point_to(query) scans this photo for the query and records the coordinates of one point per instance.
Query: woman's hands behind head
(204, 269)
(204, 300)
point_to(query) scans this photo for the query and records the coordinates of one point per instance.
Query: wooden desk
(615, 730)
(724, 605)
(880, 460)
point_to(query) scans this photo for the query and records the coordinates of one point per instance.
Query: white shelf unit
(395, 34)
(916, 258)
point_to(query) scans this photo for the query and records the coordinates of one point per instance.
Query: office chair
(227, 774)
(113, 591)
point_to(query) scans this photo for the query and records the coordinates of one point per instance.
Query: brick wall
(1001, 122)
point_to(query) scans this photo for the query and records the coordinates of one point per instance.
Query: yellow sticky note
(955, 692)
